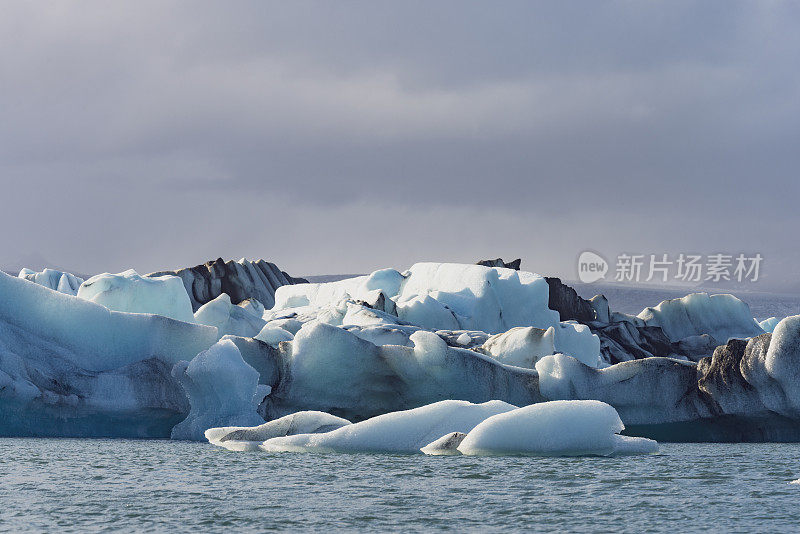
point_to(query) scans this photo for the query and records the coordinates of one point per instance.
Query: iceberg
(564, 428)
(240, 280)
(720, 316)
(250, 438)
(557, 428)
(440, 296)
(130, 292)
(128, 356)
(229, 318)
(222, 390)
(405, 431)
(70, 367)
(56, 280)
(447, 445)
(768, 325)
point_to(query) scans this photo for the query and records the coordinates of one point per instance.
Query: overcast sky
(334, 137)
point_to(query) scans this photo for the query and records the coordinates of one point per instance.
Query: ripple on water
(93, 485)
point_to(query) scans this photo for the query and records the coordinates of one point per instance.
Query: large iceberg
(443, 296)
(70, 367)
(128, 357)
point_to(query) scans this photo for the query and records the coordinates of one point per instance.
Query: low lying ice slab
(398, 432)
(557, 428)
(240, 438)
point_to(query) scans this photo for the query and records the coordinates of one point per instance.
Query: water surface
(71, 485)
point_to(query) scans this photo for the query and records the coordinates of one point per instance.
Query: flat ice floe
(451, 427)
(406, 431)
(242, 438)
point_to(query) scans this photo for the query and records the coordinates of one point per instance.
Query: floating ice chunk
(401, 432)
(273, 335)
(53, 279)
(447, 445)
(129, 292)
(556, 428)
(237, 438)
(521, 346)
(768, 325)
(721, 316)
(222, 390)
(228, 318)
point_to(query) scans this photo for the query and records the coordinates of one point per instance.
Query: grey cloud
(615, 124)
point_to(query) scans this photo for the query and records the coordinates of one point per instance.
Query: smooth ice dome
(402, 432)
(556, 428)
(130, 292)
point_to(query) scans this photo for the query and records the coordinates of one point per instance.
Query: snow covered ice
(250, 438)
(222, 389)
(130, 292)
(400, 432)
(556, 428)
(131, 355)
(564, 428)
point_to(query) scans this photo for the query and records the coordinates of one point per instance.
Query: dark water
(65, 485)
